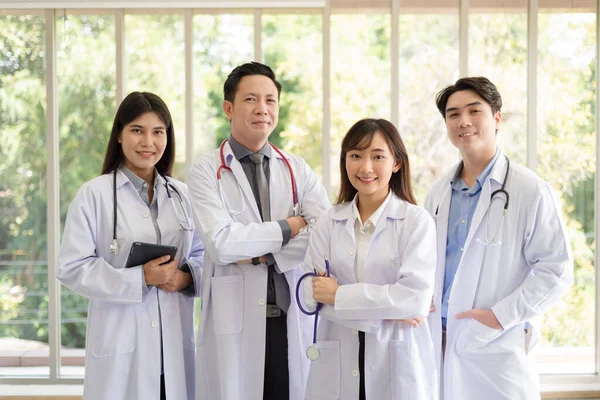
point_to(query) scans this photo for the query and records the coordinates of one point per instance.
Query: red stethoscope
(223, 166)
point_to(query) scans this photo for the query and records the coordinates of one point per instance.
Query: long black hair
(134, 105)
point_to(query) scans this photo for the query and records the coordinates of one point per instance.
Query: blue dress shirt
(462, 207)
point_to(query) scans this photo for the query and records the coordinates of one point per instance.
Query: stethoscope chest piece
(313, 353)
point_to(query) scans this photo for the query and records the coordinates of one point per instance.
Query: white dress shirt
(364, 233)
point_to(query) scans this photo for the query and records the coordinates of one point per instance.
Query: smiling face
(472, 125)
(143, 141)
(369, 170)
(254, 111)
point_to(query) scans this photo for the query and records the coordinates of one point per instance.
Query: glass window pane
(428, 63)
(155, 62)
(23, 222)
(221, 42)
(360, 75)
(566, 159)
(86, 97)
(498, 51)
(293, 45)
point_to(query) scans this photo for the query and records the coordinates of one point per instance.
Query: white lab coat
(517, 278)
(231, 338)
(123, 343)
(398, 283)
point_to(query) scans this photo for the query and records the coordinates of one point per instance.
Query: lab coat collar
(499, 169)
(395, 209)
(240, 151)
(229, 154)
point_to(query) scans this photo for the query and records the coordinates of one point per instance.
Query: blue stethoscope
(312, 352)
(185, 223)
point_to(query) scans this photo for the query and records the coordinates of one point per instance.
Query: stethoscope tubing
(319, 305)
(115, 246)
(224, 166)
(502, 190)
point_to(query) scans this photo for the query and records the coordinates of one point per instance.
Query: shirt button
(463, 221)
(462, 249)
(468, 194)
(355, 331)
(146, 214)
(355, 373)
(144, 184)
(154, 324)
(352, 252)
(261, 302)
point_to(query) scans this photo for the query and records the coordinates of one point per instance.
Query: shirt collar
(374, 218)
(458, 184)
(138, 183)
(240, 151)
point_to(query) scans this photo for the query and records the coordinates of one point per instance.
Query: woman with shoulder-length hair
(140, 330)
(376, 285)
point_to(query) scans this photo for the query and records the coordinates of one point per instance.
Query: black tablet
(141, 253)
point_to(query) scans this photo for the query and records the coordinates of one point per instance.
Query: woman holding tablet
(140, 328)
(373, 255)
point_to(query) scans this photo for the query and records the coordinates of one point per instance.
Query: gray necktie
(282, 293)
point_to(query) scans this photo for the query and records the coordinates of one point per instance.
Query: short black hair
(252, 68)
(479, 84)
(132, 106)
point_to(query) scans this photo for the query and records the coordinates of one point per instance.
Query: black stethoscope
(178, 208)
(501, 191)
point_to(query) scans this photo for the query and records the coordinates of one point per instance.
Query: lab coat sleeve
(79, 266)
(318, 251)
(548, 254)
(225, 240)
(410, 295)
(313, 201)
(196, 263)
(195, 259)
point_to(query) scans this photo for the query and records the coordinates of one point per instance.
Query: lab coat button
(355, 373)
(355, 331)
(154, 324)
(261, 302)
(352, 252)
(146, 214)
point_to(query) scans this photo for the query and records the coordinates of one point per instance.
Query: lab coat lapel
(495, 178)
(395, 209)
(280, 193)
(241, 179)
(344, 215)
(467, 276)
(441, 220)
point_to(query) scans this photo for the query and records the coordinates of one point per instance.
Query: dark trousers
(277, 386)
(163, 394)
(361, 365)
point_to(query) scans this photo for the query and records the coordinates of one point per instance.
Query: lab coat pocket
(112, 329)
(474, 339)
(324, 377)
(403, 380)
(227, 302)
(483, 332)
